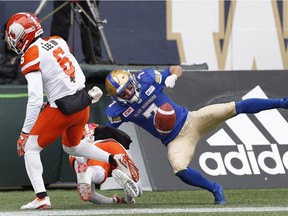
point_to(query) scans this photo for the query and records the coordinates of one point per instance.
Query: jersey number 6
(65, 63)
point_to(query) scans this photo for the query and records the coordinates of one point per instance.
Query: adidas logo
(246, 147)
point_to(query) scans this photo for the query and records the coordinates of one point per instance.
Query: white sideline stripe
(141, 211)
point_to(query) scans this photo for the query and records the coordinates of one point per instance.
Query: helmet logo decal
(16, 31)
(12, 34)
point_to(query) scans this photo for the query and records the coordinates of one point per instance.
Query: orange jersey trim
(30, 60)
(51, 37)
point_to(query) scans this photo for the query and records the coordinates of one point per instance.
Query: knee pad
(98, 174)
(178, 162)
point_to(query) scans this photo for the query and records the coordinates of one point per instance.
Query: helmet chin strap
(135, 99)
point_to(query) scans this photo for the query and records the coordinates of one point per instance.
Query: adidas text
(268, 161)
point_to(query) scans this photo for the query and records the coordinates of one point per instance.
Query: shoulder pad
(30, 60)
(158, 77)
(114, 109)
(149, 75)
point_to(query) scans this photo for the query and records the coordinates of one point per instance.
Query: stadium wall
(227, 35)
(249, 151)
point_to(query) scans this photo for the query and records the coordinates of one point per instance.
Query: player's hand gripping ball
(165, 119)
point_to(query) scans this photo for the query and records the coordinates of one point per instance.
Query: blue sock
(255, 105)
(194, 178)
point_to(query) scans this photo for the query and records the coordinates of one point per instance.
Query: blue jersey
(142, 114)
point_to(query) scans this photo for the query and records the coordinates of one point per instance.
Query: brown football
(165, 119)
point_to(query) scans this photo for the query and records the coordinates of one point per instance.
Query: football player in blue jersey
(136, 98)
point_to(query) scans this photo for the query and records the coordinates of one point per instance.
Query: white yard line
(141, 211)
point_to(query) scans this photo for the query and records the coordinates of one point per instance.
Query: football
(165, 119)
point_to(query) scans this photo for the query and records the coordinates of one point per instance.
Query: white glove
(170, 81)
(95, 93)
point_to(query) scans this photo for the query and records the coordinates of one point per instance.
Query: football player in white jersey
(91, 172)
(49, 67)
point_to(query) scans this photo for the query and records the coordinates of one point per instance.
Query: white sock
(77, 161)
(100, 199)
(34, 170)
(87, 150)
(98, 174)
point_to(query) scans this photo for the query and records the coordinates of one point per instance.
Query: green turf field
(196, 202)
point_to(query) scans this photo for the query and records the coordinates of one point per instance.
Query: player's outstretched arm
(175, 71)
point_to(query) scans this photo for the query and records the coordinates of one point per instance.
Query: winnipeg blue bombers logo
(230, 34)
(280, 9)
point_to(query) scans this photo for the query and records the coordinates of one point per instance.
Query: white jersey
(61, 73)
(49, 67)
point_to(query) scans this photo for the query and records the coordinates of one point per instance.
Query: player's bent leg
(88, 151)
(255, 105)
(126, 165)
(126, 183)
(180, 152)
(209, 117)
(97, 198)
(194, 178)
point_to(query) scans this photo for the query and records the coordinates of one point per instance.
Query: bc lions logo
(12, 34)
(16, 31)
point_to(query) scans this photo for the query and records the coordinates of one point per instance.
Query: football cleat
(129, 199)
(284, 102)
(123, 200)
(118, 199)
(38, 204)
(126, 165)
(126, 183)
(84, 182)
(219, 196)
